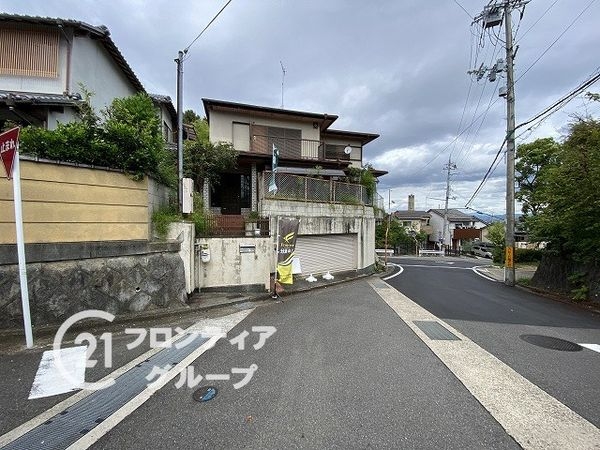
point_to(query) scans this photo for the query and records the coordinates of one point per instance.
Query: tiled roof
(454, 215)
(411, 215)
(38, 98)
(165, 100)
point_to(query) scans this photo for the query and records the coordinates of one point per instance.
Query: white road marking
(397, 273)
(49, 379)
(531, 416)
(208, 326)
(224, 324)
(475, 269)
(594, 347)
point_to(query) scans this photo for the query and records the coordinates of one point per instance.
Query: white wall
(327, 218)
(229, 267)
(94, 67)
(185, 233)
(44, 85)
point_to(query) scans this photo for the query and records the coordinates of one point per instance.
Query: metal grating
(69, 425)
(435, 331)
(551, 342)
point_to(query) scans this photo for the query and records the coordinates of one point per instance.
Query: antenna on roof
(283, 71)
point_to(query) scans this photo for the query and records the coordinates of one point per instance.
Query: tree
(570, 221)
(206, 161)
(129, 139)
(534, 161)
(497, 236)
(190, 117)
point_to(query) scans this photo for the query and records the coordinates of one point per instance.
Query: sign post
(9, 152)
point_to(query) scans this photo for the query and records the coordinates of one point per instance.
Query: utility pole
(179, 61)
(448, 168)
(492, 15)
(509, 265)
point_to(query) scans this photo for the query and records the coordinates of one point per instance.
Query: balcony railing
(288, 148)
(295, 187)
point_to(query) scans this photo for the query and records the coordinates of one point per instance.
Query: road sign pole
(21, 250)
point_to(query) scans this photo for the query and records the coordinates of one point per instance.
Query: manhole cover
(551, 342)
(205, 394)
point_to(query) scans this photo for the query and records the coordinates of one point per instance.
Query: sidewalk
(497, 272)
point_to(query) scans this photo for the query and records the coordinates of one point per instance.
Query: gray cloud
(389, 67)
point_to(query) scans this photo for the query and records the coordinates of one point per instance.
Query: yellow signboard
(509, 260)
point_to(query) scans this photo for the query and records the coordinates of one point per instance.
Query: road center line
(531, 416)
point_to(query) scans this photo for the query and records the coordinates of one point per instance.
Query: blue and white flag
(274, 164)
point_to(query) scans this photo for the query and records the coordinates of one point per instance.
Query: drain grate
(435, 331)
(68, 426)
(551, 342)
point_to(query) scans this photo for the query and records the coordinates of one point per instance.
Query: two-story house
(337, 224)
(44, 62)
(459, 227)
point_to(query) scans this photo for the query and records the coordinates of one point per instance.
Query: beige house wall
(64, 203)
(221, 126)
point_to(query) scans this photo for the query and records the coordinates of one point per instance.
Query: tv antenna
(283, 71)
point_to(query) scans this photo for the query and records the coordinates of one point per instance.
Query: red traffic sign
(9, 143)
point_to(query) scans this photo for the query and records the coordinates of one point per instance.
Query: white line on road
(401, 269)
(224, 324)
(531, 416)
(594, 347)
(482, 275)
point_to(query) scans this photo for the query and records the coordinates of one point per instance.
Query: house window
(167, 133)
(31, 53)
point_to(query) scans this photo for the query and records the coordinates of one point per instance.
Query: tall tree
(571, 219)
(534, 161)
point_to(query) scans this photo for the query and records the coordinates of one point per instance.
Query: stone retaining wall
(117, 285)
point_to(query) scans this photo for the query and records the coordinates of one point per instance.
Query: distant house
(460, 227)
(337, 221)
(44, 61)
(413, 220)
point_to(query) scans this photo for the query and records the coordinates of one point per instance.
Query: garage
(327, 252)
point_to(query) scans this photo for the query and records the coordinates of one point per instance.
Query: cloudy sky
(396, 68)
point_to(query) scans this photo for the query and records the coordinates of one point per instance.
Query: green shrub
(164, 217)
(527, 255)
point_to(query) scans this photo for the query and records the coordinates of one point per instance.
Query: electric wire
(206, 27)
(556, 40)
(538, 19)
(463, 8)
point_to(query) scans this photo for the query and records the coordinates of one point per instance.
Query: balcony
(288, 148)
(309, 189)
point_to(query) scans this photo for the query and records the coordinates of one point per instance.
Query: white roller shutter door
(327, 252)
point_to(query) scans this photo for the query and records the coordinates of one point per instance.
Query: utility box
(492, 17)
(187, 195)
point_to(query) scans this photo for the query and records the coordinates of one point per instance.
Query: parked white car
(482, 250)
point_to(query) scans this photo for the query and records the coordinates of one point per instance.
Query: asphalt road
(342, 371)
(495, 316)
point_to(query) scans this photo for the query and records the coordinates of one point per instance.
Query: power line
(557, 39)
(206, 27)
(487, 174)
(539, 18)
(463, 8)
